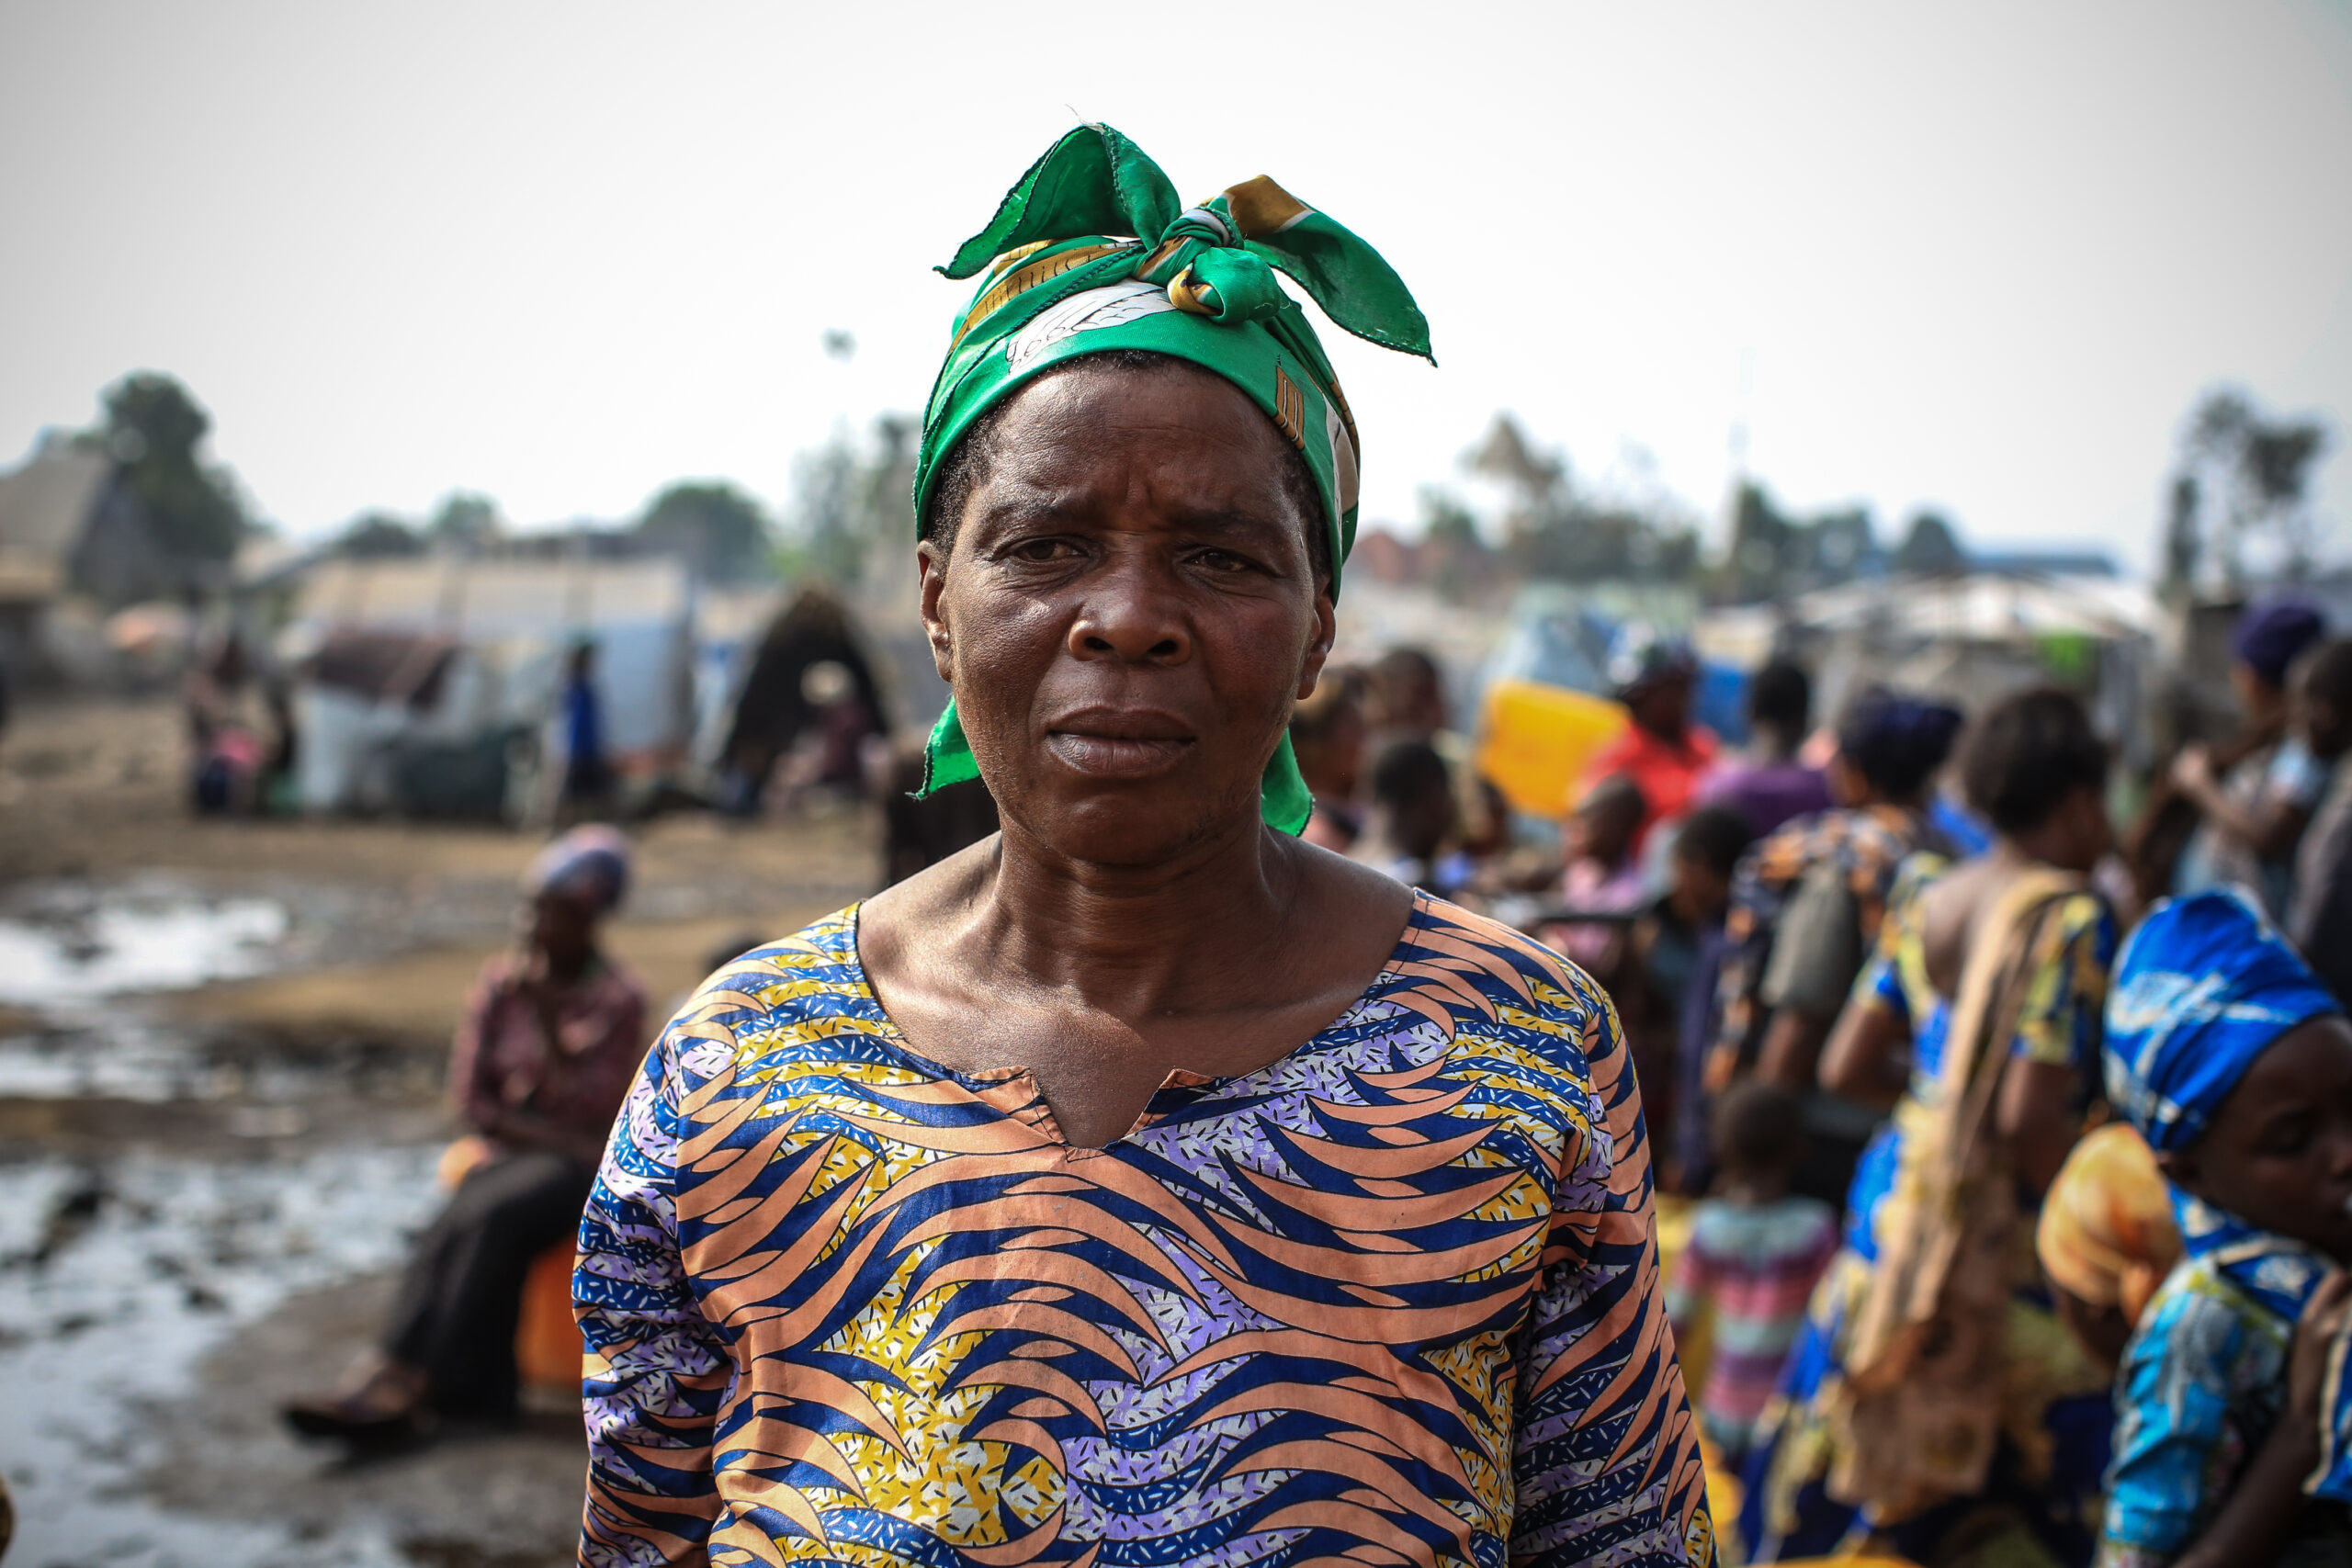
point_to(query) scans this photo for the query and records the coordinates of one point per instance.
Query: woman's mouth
(1118, 746)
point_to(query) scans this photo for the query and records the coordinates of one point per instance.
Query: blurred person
(551, 1039)
(1327, 734)
(1685, 962)
(1805, 911)
(1772, 784)
(2254, 803)
(1601, 876)
(1754, 1253)
(915, 1214)
(1933, 1394)
(1412, 817)
(2107, 1238)
(2232, 1421)
(1405, 700)
(1661, 749)
(2319, 915)
(1676, 931)
(588, 781)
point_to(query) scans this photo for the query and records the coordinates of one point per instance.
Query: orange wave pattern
(1390, 1300)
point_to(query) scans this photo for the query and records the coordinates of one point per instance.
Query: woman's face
(2278, 1153)
(1129, 610)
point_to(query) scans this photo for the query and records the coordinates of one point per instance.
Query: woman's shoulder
(2199, 1326)
(798, 988)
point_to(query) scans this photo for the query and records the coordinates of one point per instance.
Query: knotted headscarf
(1093, 251)
(2202, 989)
(589, 864)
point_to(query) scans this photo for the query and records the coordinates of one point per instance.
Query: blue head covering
(2202, 989)
(589, 864)
(2270, 636)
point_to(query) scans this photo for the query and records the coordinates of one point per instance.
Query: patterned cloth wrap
(2204, 987)
(1059, 279)
(589, 864)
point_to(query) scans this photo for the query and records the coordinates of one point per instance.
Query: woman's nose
(1132, 614)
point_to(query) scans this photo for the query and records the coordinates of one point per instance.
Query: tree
(153, 431)
(1931, 547)
(850, 494)
(378, 536)
(1552, 528)
(464, 522)
(721, 534)
(2241, 479)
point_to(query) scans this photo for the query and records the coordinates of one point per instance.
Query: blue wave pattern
(1392, 1299)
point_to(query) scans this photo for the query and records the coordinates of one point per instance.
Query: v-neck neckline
(1037, 1111)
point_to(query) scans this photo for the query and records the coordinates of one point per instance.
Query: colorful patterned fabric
(1392, 1298)
(2202, 1385)
(500, 1061)
(2106, 1236)
(1749, 1269)
(2055, 1403)
(1093, 251)
(2204, 987)
(1868, 843)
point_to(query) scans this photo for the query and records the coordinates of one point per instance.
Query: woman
(1141, 1185)
(1934, 1395)
(1805, 909)
(551, 1037)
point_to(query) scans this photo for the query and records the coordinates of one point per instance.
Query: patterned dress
(2201, 1386)
(1392, 1299)
(2056, 1411)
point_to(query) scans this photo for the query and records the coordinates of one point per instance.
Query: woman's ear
(1319, 647)
(931, 561)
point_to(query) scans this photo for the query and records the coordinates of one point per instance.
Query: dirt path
(221, 1055)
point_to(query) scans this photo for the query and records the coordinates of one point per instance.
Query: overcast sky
(1978, 256)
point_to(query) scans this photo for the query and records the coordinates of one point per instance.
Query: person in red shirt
(1662, 751)
(549, 1044)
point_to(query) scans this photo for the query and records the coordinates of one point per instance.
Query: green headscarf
(1092, 251)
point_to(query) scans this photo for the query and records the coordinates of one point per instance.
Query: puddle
(116, 1279)
(69, 945)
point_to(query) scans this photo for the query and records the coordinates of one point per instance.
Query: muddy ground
(221, 1055)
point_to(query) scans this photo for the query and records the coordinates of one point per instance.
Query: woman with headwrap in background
(1806, 907)
(550, 1038)
(1934, 1395)
(2233, 1413)
(1141, 1185)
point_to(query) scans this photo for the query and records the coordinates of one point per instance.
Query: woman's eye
(1222, 560)
(1042, 550)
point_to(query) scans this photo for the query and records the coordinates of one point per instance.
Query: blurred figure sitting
(2107, 1239)
(1327, 734)
(1662, 751)
(2319, 915)
(1773, 784)
(1753, 1256)
(1806, 911)
(1412, 813)
(1602, 875)
(2254, 802)
(551, 1038)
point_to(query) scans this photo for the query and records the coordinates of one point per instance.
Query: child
(1753, 1256)
(2319, 920)
(1602, 875)
(2107, 1239)
(2235, 1065)
(1412, 815)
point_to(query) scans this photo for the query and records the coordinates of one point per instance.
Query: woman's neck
(1140, 940)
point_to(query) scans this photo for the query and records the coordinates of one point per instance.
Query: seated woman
(551, 1039)
(2236, 1065)
(1994, 971)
